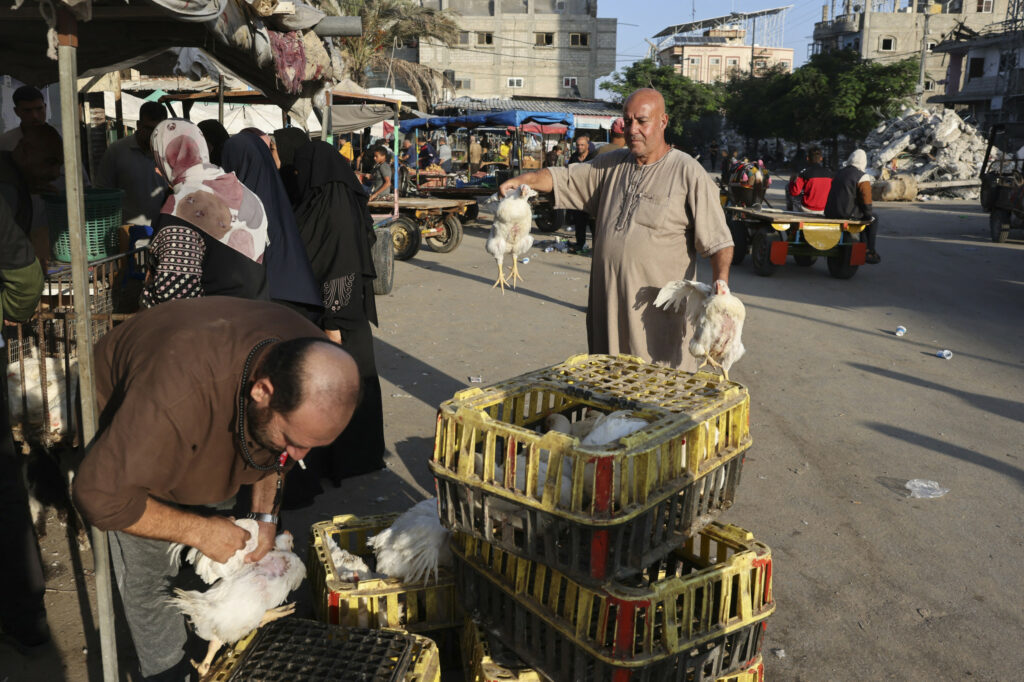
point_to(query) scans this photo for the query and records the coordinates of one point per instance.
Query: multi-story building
(541, 48)
(719, 53)
(891, 30)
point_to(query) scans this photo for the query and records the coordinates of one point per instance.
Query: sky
(654, 15)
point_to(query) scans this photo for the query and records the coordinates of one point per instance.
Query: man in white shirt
(128, 165)
(31, 109)
(444, 153)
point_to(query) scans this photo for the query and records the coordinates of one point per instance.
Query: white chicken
(716, 318)
(211, 571)
(510, 233)
(29, 382)
(348, 566)
(414, 546)
(245, 600)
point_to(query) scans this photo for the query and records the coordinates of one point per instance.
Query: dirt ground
(870, 584)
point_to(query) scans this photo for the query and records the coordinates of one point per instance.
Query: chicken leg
(277, 613)
(514, 273)
(502, 280)
(211, 651)
(708, 359)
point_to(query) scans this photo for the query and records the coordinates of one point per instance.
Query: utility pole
(753, 43)
(934, 8)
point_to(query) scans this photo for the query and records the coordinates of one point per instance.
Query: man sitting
(808, 189)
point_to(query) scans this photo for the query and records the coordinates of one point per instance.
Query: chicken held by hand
(715, 316)
(510, 233)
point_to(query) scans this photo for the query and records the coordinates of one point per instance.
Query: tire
(472, 212)
(452, 235)
(839, 266)
(383, 253)
(739, 240)
(405, 237)
(999, 225)
(549, 220)
(805, 261)
(761, 249)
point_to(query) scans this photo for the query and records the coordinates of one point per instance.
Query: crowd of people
(256, 311)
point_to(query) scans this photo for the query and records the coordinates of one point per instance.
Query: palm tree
(388, 24)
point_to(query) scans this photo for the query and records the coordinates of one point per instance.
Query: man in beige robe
(656, 208)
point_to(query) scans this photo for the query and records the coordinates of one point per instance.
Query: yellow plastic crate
(596, 512)
(300, 650)
(479, 666)
(752, 672)
(378, 602)
(701, 608)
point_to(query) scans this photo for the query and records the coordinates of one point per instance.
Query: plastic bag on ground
(924, 489)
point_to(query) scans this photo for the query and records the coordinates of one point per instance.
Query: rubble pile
(932, 147)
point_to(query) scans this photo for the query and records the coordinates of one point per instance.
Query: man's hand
(222, 538)
(267, 533)
(539, 180)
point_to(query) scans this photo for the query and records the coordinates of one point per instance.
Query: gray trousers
(143, 571)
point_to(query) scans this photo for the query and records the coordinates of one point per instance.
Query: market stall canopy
(513, 119)
(283, 54)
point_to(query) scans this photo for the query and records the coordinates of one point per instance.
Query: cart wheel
(839, 266)
(761, 249)
(989, 191)
(805, 261)
(999, 225)
(549, 219)
(739, 239)
(452, 235)
(405, 236)
(384, 263)
(472, 212)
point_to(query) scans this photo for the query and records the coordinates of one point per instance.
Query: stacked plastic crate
(604, 562)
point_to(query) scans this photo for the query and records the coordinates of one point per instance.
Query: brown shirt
(167, 384)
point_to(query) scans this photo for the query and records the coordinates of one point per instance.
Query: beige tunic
(651, 220)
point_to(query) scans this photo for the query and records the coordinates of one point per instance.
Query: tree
(388, 24)
(686, 101)
(754, 105)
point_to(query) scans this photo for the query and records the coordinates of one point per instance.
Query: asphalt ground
(870, 584)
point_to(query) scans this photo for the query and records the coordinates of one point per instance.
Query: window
(785, 65)
(714, 61)
(887, 44)
(544, 39)
(984, 5)
(760, 64)
(931, 45)
(732, 61)
(569, 81)
(463, 84)
(484, 38)
(579, 39)
(515, 82)
(463, 37)
(975, 67)
(559, 5)
(929, 85)
(695, 60)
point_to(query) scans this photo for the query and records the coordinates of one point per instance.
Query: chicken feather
(716, 320)
(414, 546)
(211, 571)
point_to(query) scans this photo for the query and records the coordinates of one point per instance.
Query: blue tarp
(514, 119)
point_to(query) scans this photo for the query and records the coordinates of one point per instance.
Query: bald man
(656, 210)
(199, 397)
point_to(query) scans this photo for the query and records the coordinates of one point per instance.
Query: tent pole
(67, 56)
(118, 110)
(220, 99)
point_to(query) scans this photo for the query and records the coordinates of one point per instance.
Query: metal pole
(394, 143)
(220, 99)
(67, 55)
(924, 56)
(118, 109)
(753, 43)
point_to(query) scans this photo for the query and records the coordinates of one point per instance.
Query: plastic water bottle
(901, 331)
(945, 354)
(525, 261)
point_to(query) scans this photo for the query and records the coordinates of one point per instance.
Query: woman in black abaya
(337, 230)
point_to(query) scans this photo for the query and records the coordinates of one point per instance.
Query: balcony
(845, 23)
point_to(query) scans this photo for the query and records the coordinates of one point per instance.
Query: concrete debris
(925, 153)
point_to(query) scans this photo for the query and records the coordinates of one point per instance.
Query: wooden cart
(770, 235)
(434, 219)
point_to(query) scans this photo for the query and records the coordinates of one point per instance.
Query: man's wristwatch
(263, 518)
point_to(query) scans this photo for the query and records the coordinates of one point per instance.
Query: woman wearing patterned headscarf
(212, 232)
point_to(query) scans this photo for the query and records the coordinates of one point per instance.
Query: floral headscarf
(204, 195)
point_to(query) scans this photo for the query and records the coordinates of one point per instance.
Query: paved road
(870, 584)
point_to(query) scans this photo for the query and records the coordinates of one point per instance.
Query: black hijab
(289, 274)
(333, 218)
(288, 141)
(216, 136)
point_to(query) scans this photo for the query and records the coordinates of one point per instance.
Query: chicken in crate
(389, 570)
(698, 614)
(597, 466)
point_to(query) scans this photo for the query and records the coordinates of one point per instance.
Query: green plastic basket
(102, 219)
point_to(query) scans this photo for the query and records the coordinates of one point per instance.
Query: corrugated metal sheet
(586, 107)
